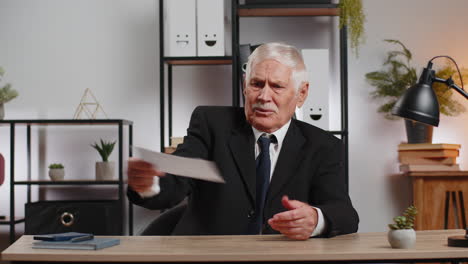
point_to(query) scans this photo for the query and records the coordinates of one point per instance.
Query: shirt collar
(280, 134)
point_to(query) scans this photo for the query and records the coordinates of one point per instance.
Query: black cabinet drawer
(96, 217)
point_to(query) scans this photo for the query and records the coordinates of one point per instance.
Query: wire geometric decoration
(89, 106)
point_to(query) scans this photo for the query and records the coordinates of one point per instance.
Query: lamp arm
(451, 84)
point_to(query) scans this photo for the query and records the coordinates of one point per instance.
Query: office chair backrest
(165, 223)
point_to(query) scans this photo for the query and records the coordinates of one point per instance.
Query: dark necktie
(263, 167)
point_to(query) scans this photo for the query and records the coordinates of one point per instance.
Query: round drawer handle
(67, 219)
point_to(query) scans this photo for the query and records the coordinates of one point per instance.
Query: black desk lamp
(419, 102)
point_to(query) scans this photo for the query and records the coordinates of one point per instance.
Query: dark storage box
(96, 217)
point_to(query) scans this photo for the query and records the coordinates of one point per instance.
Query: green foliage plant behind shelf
(56, 166)
(447, 105)
(105, 149)
(352, 16)
(398, 75)
(6, 93)
(406, 221)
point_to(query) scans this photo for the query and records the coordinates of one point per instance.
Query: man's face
(271, 97)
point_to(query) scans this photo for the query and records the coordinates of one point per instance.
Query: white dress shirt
(275, 149)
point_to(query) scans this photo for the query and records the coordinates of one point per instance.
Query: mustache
(267, 106)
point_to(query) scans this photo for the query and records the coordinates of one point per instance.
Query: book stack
(73, 240)
(428, 157)
(175, 141)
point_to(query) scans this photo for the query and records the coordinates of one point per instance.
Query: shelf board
(66, 122)
(6, 221)
(437, 173)
(198, 60)
(287, 10)
(67, 182)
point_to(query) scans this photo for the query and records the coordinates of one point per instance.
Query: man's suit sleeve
(331, 192)
(173, 189)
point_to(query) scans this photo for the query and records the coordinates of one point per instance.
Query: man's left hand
(298, 222)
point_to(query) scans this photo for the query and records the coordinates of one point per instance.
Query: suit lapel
(242, 147)
(289, 158)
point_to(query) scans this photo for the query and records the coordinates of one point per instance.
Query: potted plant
(398, 75)
(56, 171)
(402, 234)
(352, 16)
(6, 94)
(105, 169)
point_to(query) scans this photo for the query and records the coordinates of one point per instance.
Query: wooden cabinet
(440, 198)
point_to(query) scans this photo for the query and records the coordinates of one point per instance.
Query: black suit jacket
(309, 169)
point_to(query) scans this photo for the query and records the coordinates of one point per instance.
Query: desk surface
(430, 245)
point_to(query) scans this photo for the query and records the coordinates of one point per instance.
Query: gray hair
(283, 53)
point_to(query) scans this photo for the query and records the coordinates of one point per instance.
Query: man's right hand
(140, 174)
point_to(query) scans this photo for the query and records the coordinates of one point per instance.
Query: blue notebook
(63, 236)
(92, 244)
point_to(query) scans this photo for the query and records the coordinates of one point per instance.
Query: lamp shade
(419, 103)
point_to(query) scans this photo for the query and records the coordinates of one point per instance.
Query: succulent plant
(405, 221)
(56, 166)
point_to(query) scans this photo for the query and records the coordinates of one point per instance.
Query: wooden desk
(440, 199)
(370, 247)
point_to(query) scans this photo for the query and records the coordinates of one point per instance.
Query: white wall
(53, 49)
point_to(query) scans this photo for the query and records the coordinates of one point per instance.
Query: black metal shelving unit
(243, 10)
(120, 123)
(178, 61)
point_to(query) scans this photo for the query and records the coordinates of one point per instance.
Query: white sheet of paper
(180, 166)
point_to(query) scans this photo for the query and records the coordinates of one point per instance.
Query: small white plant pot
(105, 170)
(57, 174)
(402, 238)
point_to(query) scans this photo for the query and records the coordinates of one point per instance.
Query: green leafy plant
(398, 75)
(352, 16)
(405, 221)
(447, 105)
(56, 166)
(105, 149)
(6, 92)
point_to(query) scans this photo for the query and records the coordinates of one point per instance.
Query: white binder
(316, 110)
(180, 28)
(210, 28)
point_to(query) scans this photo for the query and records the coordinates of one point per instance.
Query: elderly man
(282, 175)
